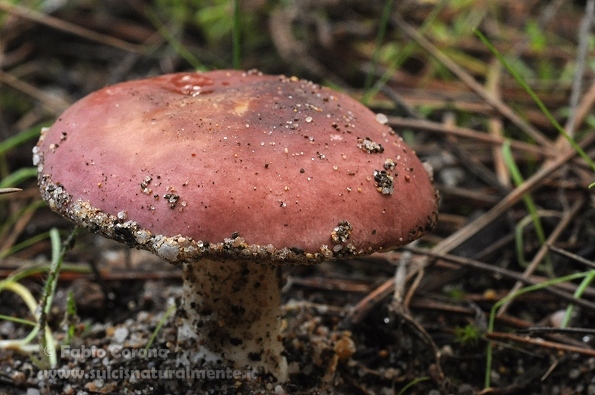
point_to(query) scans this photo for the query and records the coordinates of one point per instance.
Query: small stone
(381, 118)
(369, 146)
(574, 373)
(384, 182)
(557, 318)
(98, 383)
(389, 164)
(19, 378)
(341, 233)
(120, 334)
(344, 346)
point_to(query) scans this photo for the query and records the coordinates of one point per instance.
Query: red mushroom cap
(229, 162)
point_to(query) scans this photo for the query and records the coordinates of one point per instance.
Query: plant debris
(515, 236)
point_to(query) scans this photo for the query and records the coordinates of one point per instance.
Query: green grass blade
(236, 36)
(160, 324)
(174, 42)
(508, 298)
(518, 180)
(577, 294)
(20, 138)
(20, 175)
(386, 11)
(11, 285)
(404, 54)
(536, 99)
(411, 384)
(34, 270)
(71, 318)
(49, 290)
(17, 320)
(7, 223)
(24, 244)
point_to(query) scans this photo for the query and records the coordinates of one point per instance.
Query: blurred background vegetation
(413, 60)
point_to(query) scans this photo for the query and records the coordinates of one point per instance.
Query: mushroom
(233, 174)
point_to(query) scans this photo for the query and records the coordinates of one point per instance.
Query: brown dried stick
(495, 124)
(430, 126)
(9, 190)
(464, 76)
(361, 309)
(53, 103)
(64, 26)
(505, 273)
(541, 253)
(540, 342)
(455, 239)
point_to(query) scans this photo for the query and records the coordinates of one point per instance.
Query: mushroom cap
(235, 163)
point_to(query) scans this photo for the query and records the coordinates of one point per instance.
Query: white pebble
(120, 334)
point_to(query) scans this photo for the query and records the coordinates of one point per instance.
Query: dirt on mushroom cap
(207, 157)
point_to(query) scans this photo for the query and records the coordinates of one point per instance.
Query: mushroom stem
(229, 316)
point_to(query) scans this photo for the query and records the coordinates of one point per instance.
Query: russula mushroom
(232, 174)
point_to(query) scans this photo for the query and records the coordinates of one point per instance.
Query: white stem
(229, 316)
